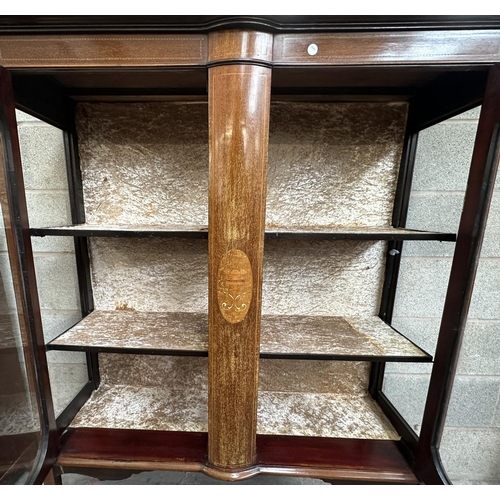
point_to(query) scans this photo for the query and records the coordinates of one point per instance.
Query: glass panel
(440, 177)
(20, 429)
(470, 446)
(47, 197)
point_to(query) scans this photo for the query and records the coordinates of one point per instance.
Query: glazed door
(24, 404)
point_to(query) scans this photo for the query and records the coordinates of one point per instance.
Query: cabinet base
(354, 460)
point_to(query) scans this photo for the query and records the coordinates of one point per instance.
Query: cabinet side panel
(239, 99)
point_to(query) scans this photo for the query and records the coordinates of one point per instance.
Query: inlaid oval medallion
(234, 286)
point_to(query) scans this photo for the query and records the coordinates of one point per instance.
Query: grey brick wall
(470, 447)
(44, 168)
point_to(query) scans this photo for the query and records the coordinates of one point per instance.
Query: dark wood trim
(394, 249)
(76, 205)
(400, 212)
(138, 94)
(480, 185)
(15, 213)
(444, 99)
(198, 23)
(135, 450)
(346, 459)
(405, 178)
(239, 61)
(40, 97)
(75, 191)
(263, 355)
(69, 413)
(393, 263)
(363, 236)
(408, 435)
(93, 369)
(113, 233)
(415, 235)
(73, 171)
(127, 350)
(85, 445)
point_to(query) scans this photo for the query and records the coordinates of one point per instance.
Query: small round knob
(312, 50)
(393, 252)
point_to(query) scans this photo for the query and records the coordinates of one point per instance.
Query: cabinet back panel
(336, 278)
(333, 164)
(281, 375)
(151, 274)
(144, 163)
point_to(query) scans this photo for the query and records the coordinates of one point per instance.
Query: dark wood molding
(164, 24)
(69, 413)
(341, 459)
(106, 447)
(346, 459)
(443, 99)
(40, 97)
(370, 234)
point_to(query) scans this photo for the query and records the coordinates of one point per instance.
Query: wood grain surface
(55, 51)
(233, 44)
(339, 459)
(239, 106)
(421, 47)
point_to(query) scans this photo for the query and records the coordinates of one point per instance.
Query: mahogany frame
(275, 454)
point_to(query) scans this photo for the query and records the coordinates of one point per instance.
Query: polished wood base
(360, 460)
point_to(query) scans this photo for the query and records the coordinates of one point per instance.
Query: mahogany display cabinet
(239, 190)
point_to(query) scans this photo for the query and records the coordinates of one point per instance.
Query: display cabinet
(239, 190)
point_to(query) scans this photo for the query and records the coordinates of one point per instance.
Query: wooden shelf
(129, 231)
(356, 233)
(309, 233)
(138, 333)
(303, 337)
(309, 404)
(334, 337)
(297, 414)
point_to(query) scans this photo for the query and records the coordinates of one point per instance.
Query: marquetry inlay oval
(234, 286)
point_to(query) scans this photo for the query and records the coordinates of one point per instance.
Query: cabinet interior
(170, 165)
(332, 180)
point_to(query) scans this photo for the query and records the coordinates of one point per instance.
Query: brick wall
(44, 167)
(470, 448)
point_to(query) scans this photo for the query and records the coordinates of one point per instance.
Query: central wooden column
(239, 103)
